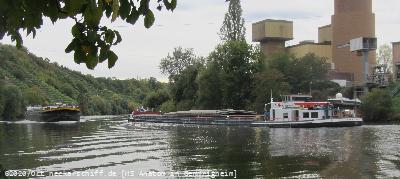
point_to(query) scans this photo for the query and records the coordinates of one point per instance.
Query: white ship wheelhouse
(300, 108)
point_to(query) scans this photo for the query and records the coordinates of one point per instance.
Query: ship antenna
(272, 99)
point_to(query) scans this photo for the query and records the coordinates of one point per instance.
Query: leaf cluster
(91, 42)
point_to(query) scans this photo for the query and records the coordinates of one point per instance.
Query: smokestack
(352, 19)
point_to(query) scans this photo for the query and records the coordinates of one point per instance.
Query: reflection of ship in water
(55, 113)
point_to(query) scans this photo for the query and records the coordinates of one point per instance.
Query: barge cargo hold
(205, 117)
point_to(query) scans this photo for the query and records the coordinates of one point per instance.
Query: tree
(265, 82)
(236, 61)
(233, 26)
(184, 89)
(385, 56)
(118, 105)
(210, 90)
(377, 106)
(84, 104)
(180, 59)
(156, 99)
(322, 89)
(183, 68)
(34, 96)
(302, 72)
(154, 84)
(100, 105)
(168, 106)
(13, 102)
(305, 71)
(91, 41)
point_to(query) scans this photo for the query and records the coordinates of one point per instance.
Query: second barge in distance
(295, 111)
(54, 113)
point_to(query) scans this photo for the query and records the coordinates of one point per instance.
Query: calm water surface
(117, 145)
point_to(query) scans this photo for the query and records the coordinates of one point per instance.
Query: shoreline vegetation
(222, 80)
(29, 80)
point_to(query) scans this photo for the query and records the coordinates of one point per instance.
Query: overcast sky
(195, 24)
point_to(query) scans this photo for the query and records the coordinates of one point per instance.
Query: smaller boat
(53, 113)
(142, 112)
(297, 111)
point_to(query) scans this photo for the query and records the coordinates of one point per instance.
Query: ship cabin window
(314, 115)
(285, 115)
(306, 115)
(273, 114)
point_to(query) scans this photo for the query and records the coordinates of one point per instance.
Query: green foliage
(396, 108)
(396, 104)
(156, 99)
(233, 28)
(154, 84)
(13, 107)
(301, 72)
(91, 42)
(237, 76)
(265, 82)
(34, 96)
(48, 83)
(237, 63)
(184, 105)
(322, 89)
(100, 105)
(168, 106)
(180, 59)
(184, 86)
(377, 106)
(384, 56)
(118, 105)
(183, 68)
(225, 82)
(210, 90)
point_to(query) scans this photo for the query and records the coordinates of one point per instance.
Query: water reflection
(114, 144)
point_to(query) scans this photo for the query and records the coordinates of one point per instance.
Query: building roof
(273, 20)
(309, 43)
(325, 26)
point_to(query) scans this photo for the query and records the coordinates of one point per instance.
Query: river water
(115, 148)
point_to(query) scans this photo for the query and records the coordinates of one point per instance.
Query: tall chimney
(352, 19)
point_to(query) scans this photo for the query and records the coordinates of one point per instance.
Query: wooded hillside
(34, 80)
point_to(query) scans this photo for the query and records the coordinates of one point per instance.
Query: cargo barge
(295, 111)
(54, 113)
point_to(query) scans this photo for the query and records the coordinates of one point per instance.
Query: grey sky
(195, 24)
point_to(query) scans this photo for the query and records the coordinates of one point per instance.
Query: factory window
(306, 115)
(314, 115)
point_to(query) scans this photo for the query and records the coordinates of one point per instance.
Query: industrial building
(352, 19)
(396, 60)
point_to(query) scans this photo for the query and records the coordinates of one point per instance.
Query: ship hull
(248, 121)
(53, 116)
(345, 122)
